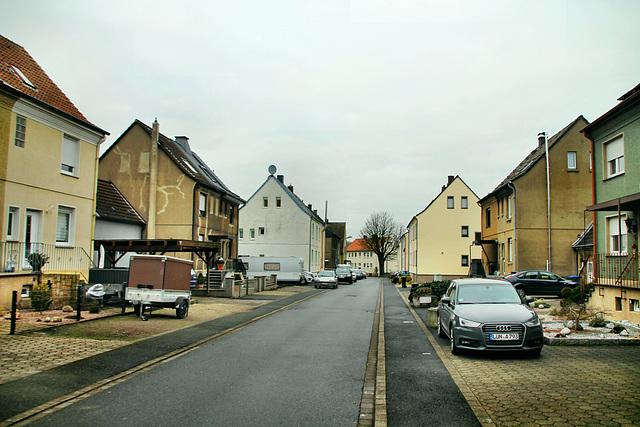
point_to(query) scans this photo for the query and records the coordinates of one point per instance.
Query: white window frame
(21, 131)
(510, 248)
(509, 206)
(13, 223)
(572, 160)
(241, 233)
(614, 157)
(70, 155)
(252, 233)
(202, 209)
(613, 237)
(69, 234)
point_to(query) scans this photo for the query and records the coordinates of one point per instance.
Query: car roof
(480, 281)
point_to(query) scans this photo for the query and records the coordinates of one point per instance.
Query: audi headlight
(533, 322)
(468, 323)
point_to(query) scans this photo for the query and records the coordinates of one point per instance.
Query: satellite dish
(272, 169)
(96, 291)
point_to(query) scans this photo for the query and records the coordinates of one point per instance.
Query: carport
(115, 249)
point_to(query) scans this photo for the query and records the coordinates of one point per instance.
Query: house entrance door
(32, 235)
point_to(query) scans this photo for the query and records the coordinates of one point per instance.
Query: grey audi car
(488, 314)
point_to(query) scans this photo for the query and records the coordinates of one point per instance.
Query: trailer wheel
(182, 310)
(136, 309)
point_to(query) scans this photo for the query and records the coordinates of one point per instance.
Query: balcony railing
(617, 270)
(14, 257)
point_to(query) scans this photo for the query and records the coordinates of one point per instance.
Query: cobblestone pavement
(25, 355)
(596, 385)
(566, 386)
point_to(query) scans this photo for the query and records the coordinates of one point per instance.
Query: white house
(276, 222)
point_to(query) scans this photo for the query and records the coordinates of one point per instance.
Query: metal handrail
(14, 257)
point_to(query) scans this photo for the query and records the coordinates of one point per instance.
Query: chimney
(183, 142)
(290, 187)
(450, 180)
(310, 206)
(280, 178)
(542, 137)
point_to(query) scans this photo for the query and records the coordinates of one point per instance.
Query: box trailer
(159, 281)
(288, 269)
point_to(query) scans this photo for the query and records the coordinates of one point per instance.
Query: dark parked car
(539, 283)
(488, 314)
(344, 275)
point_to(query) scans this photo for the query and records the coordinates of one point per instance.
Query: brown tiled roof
(188, 162)
(112, 205)
(21, 73)
(533, 157)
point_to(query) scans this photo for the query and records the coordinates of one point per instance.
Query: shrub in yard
(617, 329)
(41, 297)
(598, 322)
(94, 308)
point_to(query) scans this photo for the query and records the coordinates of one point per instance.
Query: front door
(32, 235)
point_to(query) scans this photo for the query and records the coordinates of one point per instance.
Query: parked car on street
(361, 274)
(488, 314)
(400, 274)
(326, 279)
(539, 283)
(309, 277)
(344, 275)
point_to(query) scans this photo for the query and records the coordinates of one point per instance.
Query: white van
(288, 269)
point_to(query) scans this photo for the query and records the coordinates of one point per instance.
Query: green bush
(41, 297)
(617, 329)
(94, 308)
(436, 288)
(598, 322)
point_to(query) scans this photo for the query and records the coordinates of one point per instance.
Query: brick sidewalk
(25, 355)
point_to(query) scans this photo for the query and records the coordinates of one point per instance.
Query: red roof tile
(356, 245)
(21, 72)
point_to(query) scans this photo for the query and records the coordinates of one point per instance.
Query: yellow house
(173, 190)
(48, 173)
(531, 219)
(439, 242)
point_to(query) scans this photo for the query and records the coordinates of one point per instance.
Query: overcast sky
(365, 104)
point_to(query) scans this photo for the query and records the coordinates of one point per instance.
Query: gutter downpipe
(515, 240)
(546, 149)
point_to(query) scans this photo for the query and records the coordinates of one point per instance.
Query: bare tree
(381, 234)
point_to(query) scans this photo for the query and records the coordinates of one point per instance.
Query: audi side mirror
(528, 299)
(445, 300)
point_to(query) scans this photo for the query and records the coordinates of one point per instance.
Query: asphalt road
(302, 366)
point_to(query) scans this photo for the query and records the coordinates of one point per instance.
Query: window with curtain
(64, 226)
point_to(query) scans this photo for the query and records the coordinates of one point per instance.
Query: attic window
(21, 76)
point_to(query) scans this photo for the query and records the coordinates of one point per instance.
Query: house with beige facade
(439, 242)
(360, 257)
(48, 172)
(616, 209)
(174, 191)
(532, 218)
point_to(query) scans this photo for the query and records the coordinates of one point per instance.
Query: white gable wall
(288, 230)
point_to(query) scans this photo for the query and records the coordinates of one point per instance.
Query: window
(271, 266)
(617, 235)
(201, 237)
(64, 226)
(464, 202)
(450, 202)
(241, 233)
(265, 202)
(21, 131)
(252, 233)
(278, 202)
(232, 214)
(465, 231)
(510, 246)
(487, 217)
(69, 162)
(614, 154)
(634, 305)
(261, 231)
(465, 261)
(203, 204)
(509, 206)
(572, 162)
(13, 220)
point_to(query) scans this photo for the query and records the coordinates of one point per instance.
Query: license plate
(504, 337)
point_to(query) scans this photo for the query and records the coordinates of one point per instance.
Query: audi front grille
(503, 328)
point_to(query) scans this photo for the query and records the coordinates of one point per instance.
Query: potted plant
(37, 260)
